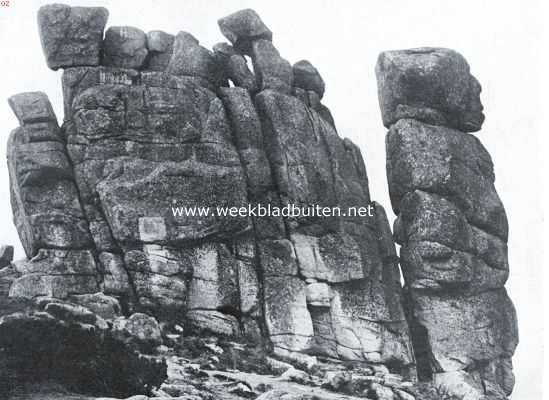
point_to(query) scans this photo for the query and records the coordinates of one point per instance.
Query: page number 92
(4, 3)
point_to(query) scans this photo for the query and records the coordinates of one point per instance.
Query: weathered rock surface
(137, 144)
(432, 85)
(307, 77)
(125, 47)
(46, 206)
(189, 58)
(235, 66)
(139, 328)
(71, 36)
(244, 27)
(119, 214)
(6, 256)
(62, 343)
(106, 307)
(451, 223)
(160, 46)
(272, 71)
(47, 212)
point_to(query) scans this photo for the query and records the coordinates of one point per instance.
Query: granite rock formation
(162, 122)
(451, 224)
(71, 36)
(118, 213)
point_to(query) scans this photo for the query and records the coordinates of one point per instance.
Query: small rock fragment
(382, 392)
(242, 390)
(139, 328)
(214, 348)
(338, 381)
(296, 375)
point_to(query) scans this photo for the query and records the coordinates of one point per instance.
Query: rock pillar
(451, 224)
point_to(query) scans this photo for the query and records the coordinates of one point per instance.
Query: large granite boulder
(272, 71)
(160, 46)
(307, 77)
(432, 85)
(235, 66)
(189, 58)
(125, 47)
(242, 28)
(451, 224)
(442, 160)
(71, 36)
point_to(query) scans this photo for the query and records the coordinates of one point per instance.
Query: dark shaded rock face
(83, 355)
(451, 224)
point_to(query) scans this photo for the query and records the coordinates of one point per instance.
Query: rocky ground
(54, 349)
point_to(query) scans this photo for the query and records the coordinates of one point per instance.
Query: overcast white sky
(500, 39)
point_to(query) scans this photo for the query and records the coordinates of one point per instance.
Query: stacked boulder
(46, 206)
(451, 223)
(157, 121)
(329, 286)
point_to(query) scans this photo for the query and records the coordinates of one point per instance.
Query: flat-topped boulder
(433, 85)
(32, 107)
(71, 36)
